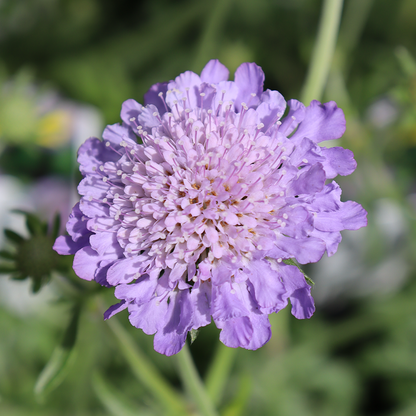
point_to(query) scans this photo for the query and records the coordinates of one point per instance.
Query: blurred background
(66, 66)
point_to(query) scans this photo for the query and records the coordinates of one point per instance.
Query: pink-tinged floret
(191, 206)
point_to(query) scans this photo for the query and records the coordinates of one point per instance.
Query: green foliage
(356, 355)
(32, 257)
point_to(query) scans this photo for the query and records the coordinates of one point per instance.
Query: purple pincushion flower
(197, 221)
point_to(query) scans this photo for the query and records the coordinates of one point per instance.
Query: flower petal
(140, 292)
(236, 332)
(321, 122)
(228, 302)
(214, 72)
(151, 316)
(169, 343)
(299, 292)
(350, 216)
(305, 250)
(86, 263)
(124, 271)
(338, 161)
(249, 79)
(310, 181)
(186, 86)
(129, 110)
(64, 245)
(115, 134)
(269, 291)
(262, 331)
(77, 224)
(112, 310)
(294, 117)
(271, 108)
(152, 96)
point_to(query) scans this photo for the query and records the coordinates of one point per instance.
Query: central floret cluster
(195, 222)
(205, 185)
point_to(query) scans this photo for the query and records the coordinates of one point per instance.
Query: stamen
(163, 100)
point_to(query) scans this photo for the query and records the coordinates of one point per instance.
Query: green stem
(208, 46)
(146, 372)
(354, 19)
(193, 383)
(219, 371)
(323, 51)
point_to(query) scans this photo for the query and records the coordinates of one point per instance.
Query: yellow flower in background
(53, 129)
(28, 115)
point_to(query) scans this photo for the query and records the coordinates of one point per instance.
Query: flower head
(191, 206)
(32, 257)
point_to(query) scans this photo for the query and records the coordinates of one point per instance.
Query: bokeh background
(65, 68)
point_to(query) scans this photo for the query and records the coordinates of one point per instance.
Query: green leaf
(7, 255)
(12, 236)
(33, 223)
(61, 360)
(54, 372)
(308, 279)
(7, 268)
(70, 335)
(291, 262)
(36, 285)
(55, 226)
(18, 276)
(193, 333)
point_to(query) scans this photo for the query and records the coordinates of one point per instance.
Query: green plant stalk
(323, 51)
(219, 371)
(208, 47)
(147, 373)
(111, 400)
(193, 383)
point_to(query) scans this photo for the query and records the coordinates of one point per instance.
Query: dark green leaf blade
(13, 236)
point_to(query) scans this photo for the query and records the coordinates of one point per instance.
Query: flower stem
(193, 383)
(208, 47)
(218, 372)
(323, 51)
(146, 372)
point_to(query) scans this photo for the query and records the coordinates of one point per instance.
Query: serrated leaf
(13, 236)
